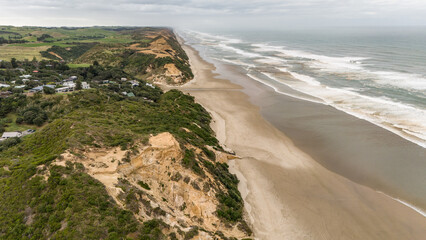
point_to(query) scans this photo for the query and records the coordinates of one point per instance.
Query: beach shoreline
(287, 193)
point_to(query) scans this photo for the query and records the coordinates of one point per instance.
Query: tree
(38, 121)
(48, 90)
(14, 63)
(95, 63)
(78, 85)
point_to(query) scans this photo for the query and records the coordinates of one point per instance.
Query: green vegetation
(70, 202)
(9, 143)
(111, 46)
(40, 200)
(144, 185)
(66, 53)
(40, 44)
(80, 65)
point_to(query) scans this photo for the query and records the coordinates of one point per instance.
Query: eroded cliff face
(151, 181)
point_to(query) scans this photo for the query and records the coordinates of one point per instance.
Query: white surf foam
(239, 51)
(417, 209)
(403, 120)
(321, 60)
(206, 36)
(279, 91)
(271, 61)
(402, 80)
(236, 62)
(352, 65)
(305, 78)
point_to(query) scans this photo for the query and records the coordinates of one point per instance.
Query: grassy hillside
(47, 187)
(70, 204)
(142, 52)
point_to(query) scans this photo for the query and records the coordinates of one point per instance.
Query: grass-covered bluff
(32, 208)
(42, 200)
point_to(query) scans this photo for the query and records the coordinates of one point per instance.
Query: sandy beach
(288, 194)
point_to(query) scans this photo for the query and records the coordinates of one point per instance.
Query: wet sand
(289, 195)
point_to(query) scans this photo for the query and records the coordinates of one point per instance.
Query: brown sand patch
(171, 70)
(56, 55)
(159, 48)
(185, 198)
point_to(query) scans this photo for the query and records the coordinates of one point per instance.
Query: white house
(4, 85)
(64, 89)
(134, 83)
(85, 85)
(7, 135)
(69, 84)
(20, 86)
(149, 85)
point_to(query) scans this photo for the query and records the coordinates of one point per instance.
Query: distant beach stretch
(289, 141)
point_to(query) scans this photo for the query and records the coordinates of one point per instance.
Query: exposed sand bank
(289, 195)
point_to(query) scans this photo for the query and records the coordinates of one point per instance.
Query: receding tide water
(378, 75)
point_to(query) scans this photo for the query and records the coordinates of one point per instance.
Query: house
(72, 78)
(36, 89)
(69, 84)
(4, 85)
(149, 85)
(134, 83)
(7, 135)
(85, 85)
(20, 86)
(5, 94)
(123, 79)
(129, 94)
(64, 89)
(35, 71)
(25, 80)
(25, 76)
(40, 88)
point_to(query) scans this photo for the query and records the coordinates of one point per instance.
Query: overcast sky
(213, 13)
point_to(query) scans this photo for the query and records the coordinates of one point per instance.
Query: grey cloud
(213, 12)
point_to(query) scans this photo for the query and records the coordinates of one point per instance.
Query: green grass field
(13, 127)
(41, 44)
(78, 65)
(20, 53)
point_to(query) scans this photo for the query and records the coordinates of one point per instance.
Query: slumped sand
(289, 195)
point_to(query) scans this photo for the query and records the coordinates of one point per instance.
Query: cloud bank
(213, 13)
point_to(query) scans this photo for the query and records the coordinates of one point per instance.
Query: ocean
(375, 74)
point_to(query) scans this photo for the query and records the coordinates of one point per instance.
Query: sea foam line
(415, 208)
(418, 139)
(280, 92)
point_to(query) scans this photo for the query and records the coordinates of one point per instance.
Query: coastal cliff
(107, 164)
